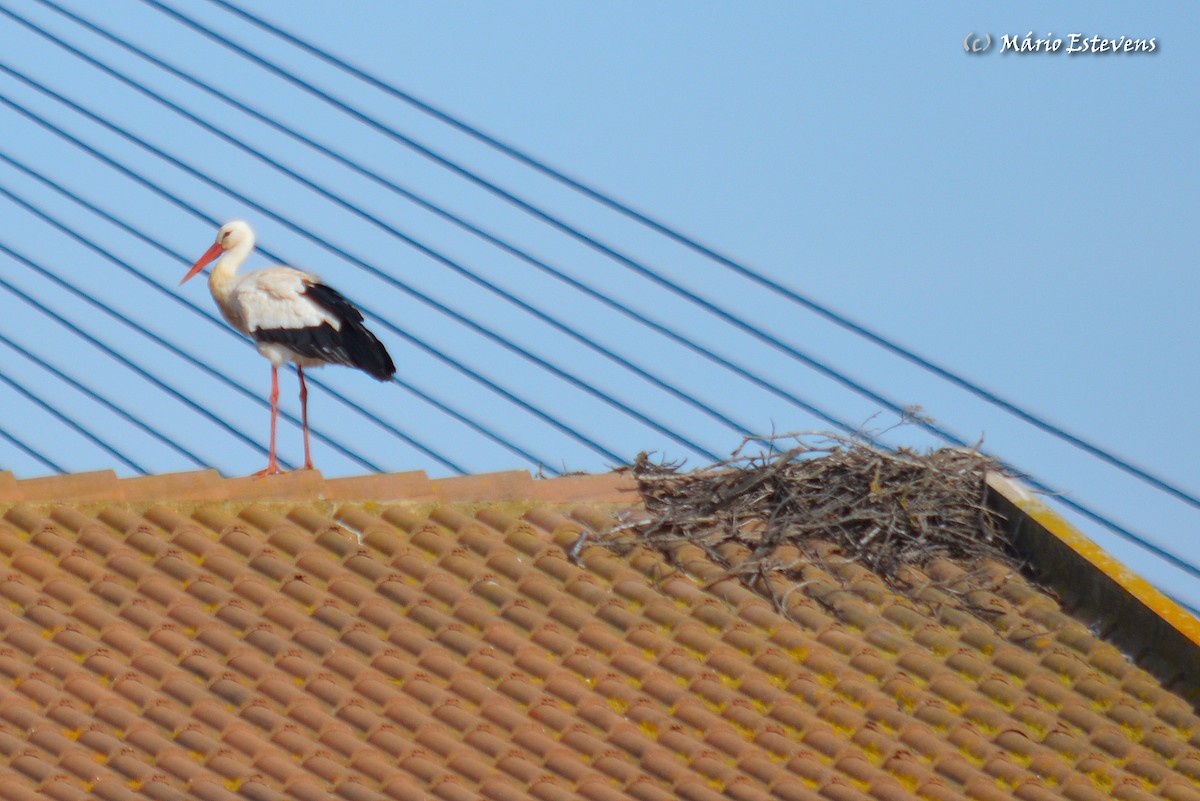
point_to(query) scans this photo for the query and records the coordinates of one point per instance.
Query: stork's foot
(272, 469)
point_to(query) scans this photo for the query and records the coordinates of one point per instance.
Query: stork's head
(235, 234)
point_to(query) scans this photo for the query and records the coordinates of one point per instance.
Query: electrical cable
(404, 334)
(1078, 442)
(574, 380)
(839, 319)
(30, 451)
(642, 270)
(989, 396)
(721, 417)
(197, 407)
(73, 424)
(739, 427)
(96, 396)
(154, 337)
(473, 374)
(175, 297)
(866, 392)
(677, 289)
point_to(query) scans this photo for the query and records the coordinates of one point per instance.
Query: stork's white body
(292, 317)
(270, 299)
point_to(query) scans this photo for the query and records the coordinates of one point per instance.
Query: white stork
(292, 316)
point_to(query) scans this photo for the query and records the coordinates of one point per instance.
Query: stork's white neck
(224, 275)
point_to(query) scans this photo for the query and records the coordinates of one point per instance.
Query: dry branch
(883, 510)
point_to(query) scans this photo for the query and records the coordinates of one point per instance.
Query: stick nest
(883, 510)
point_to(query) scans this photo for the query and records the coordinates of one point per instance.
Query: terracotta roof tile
(395, 637)
(99, 485)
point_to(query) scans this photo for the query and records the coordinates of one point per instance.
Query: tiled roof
(393, 637)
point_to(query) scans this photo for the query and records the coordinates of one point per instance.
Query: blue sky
(1021, 219)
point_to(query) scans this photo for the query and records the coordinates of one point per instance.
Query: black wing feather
(352, 344)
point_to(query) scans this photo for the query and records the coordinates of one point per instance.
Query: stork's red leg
(272, 463)
(308, 465)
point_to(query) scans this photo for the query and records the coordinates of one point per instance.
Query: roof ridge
(413, 485)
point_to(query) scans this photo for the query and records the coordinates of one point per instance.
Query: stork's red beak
(209, 255)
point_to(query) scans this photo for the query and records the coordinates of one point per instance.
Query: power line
(179, 300)
(209, 369)
(96, 396)
(30, 451)
(841, 320)
(38, 268)
(475, 375)
(815, 364)
(741, 429)
(200, 215)
(637, 267)
(677, 289)
(72, 423)
(427, 251)
(810, 361)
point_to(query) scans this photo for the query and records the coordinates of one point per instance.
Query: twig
(879, 509)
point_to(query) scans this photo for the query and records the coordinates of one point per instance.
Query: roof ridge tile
(609, 487)
(506, 485)
(196, 485)
(408, 486)
(92, 486)
(9, 487)
(298, 485)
